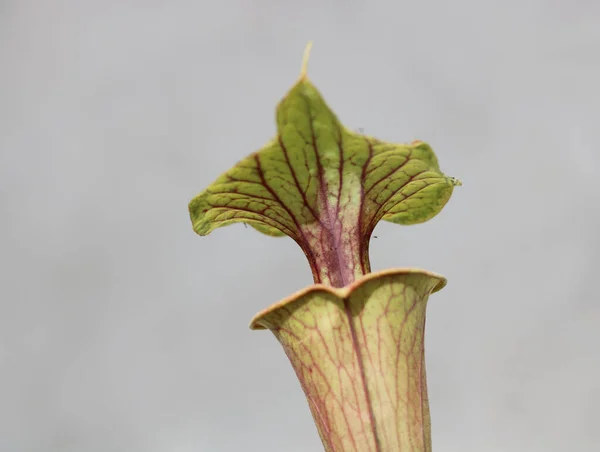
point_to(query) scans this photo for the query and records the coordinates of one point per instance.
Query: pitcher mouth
(344, 292)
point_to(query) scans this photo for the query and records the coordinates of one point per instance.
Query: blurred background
(121, 330)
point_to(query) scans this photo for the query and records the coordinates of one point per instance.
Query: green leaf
(359, 355)
(325, 186)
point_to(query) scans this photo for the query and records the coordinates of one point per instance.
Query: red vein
(363, 375)
(307, 250)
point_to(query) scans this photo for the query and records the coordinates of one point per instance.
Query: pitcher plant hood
(325, 186)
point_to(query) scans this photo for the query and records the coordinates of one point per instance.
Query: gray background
(121, 330)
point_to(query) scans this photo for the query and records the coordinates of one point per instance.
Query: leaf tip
(456, 182)
(304, 68)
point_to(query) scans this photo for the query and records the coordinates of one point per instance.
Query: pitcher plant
(355, 338)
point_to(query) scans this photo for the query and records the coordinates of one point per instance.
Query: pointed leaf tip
(304, 69)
